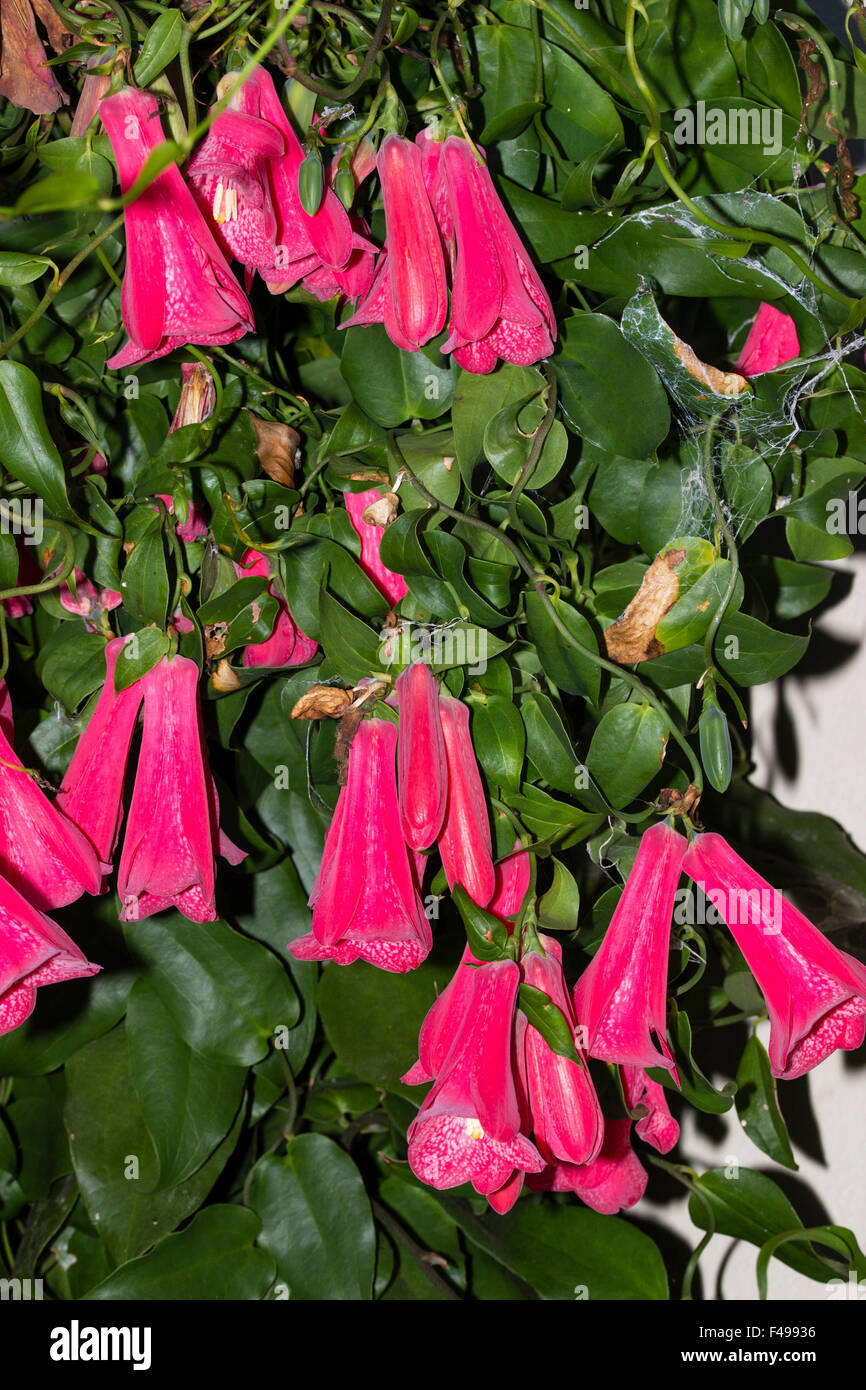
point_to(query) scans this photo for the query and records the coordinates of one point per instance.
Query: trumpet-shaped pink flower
(391, 586)
(620, 997)
(365, 902)
(613, 1182)
(42, 854)
(287, 644)
(91, 793)
(772, 342)
(566, 1116)
(468, 1128)
(464, 840)
(33, 952)
(499, 307)
(172, 832)
(658, 1126)
(178, 287)
(421, 766)
(409, 293)
(815, 993)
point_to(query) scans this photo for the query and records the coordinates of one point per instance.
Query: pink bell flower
(33, 952)
(287, 644)
(42, 854)
(172, 832)
(464, 841)
(613, 1182)
(620, 998)
(409, 293)
(421, 765)
(178, 287)
(391, 586)
(566, 1116)
(772, 342)
(468, 1128)
(91, 793)
(365, 901)
(815, 993)
(657, 1126)
(499, 307)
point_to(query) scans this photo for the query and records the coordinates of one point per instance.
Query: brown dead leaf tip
(383, 511)
(224, 678)
(322, 702)
(632, 637)
(215, 639)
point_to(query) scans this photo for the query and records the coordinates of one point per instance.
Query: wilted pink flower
(172, 832)
(197, 396)
(772, 342)
(566, 1116)
(620, 997)
(287, 644)
(365, 902)
(25, 78)
(421, 766)
(178, 287)
(658, 1126)
(91, 793)
(613, 1182)
(391, 586)
(94, 88)
(464, 840)
(42, 854)
(815, 993)
(33, 952)
(468, 1128)
(88, 602)
(409, 293)
(499, 307)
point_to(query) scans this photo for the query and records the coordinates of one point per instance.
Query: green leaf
(391, 385)
(316, 1221)
(372, 1019)
(751, 653)
(627, 751)
(58, 192)
(352, 647)
(26, 447)
(18, 268)
(72, 665)
(478, 399)
(487, 935)
(226, 995)
(567, 667)
(139, 656)
(569, 1252)
(499, 740)
(114, 1158)
(160, 47)
(758, 1104)
(749, 1206)
(548, 1020)
(609, 391)
(214, 1258)
(547, 744)
(65, 1022)
(188, 1102)
(144, 584)
(558, 908)
(693, 1084)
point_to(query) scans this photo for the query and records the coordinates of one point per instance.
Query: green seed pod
(761, 11)
(311, 184)
(733, 15)
(715, 737)
(344, 187)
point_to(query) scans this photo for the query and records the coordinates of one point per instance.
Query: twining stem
(740, 233)
(539, 437)
(724, 530)
(57, 284)
(689, 1180)
(453, 102)
(343, 93)
(538, 580)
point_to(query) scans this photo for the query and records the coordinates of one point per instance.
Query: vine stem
(453, 103)
(731, 233)
(539, 436)
(343, 93)
(538, 580)
(721, 526)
